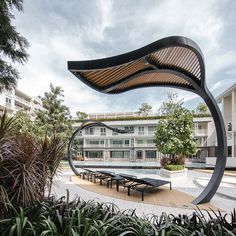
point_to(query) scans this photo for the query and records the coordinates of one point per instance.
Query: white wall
(231, 161)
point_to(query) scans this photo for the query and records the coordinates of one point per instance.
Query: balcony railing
(141, 133)
(145, 145)
(22, 100)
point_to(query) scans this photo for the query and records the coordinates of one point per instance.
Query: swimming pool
(136, 171)
(117, 163)
(132, 165)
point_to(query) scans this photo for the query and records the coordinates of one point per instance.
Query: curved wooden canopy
(174, 62)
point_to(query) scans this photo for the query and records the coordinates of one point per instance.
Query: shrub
(64, 217)
(174, 167)
(27, 166)
(177, 160)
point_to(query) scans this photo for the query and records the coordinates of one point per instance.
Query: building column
(233, 123)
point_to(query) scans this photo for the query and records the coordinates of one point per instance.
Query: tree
(25, 124)
(81, 115)
(202, 108)
(12, 45)
(144, 109)
(170, 105)
(174, 134)
(55, 117)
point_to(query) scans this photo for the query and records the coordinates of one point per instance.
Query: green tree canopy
(81, 115)
(202, 108)
(170, 105)
(174, 134)
(25, 123)
(144, 109)
(12, 45)
(55, 117)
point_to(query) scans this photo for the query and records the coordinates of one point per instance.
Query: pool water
(117, 163)
(135, 171)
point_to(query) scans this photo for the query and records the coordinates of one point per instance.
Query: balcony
(22, 100)
(141, 133)
(94, 146)
(145, 145)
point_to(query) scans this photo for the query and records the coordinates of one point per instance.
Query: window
(117, 143)
(139, 141)
(94, 154)
(151, 154)
(127, 143)
(120, 154)
(151, 141)
(89, 131)
(103, 130)
(229, 126)
(139, 154)
(8, 100)
(151, 129)
(229, 151)
(141, 128)
(94, 142)
(130, 129)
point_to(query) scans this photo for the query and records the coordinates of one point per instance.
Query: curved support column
(86, 124)
(182, 62)
(218, 173)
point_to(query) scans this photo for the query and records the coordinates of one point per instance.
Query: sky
(73, 30)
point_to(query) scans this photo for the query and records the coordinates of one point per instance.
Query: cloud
(59, 31)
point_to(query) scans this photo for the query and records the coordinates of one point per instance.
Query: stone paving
(185, 184)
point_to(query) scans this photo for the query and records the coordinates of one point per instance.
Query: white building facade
(99, 143)
(227, 101)
(14, 100)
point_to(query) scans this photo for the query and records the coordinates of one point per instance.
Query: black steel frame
(86, 124)
(196, 86)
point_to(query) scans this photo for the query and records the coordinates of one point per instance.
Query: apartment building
(14, 100)
(99, 143)
(227, 101)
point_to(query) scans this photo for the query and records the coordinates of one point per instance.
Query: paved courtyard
(192, 184)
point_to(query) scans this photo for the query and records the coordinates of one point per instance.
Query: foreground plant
(77, 217)
(28, 166)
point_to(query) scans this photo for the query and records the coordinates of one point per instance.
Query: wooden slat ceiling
(177, 58)
(152, 79)
(108, 76)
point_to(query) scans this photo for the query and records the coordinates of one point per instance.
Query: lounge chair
(91, 174)
(118, 178)
(105, 176)
(144, 184)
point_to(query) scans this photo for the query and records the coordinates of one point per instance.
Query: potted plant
(173, 167)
